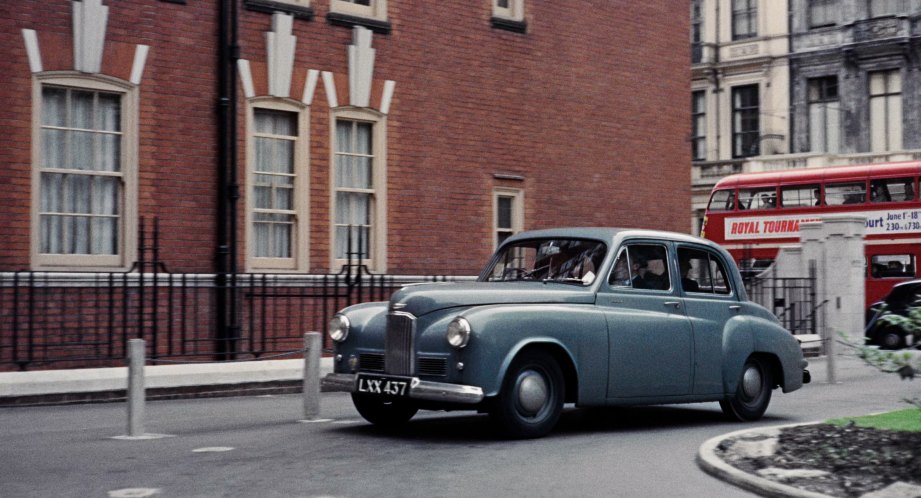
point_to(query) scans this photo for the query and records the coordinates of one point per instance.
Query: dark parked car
(591, 316)
(900, 300)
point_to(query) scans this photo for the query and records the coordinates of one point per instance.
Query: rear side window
(722, 200)
(702, 272)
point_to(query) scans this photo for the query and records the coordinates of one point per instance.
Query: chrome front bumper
(418, 389)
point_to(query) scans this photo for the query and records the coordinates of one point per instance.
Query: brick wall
(590, 107)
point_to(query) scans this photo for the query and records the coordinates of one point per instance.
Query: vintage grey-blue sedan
(590, 316)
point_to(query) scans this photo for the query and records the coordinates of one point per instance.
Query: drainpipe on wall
(226, 324)
(716, 80)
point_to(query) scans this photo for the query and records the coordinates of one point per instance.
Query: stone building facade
(850, 92)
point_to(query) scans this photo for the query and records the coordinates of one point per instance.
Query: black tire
(531, 400)
(890, 338)
(383, 412)
(753, 393)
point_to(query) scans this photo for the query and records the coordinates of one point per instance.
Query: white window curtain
(885, 111)
(824, 126)
(354, 163)
(81, 194)
(274, 215)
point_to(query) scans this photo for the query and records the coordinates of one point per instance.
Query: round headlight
(338, 328)
(458, 332)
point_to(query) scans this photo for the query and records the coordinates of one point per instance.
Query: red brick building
(435, 127)
(260, 134)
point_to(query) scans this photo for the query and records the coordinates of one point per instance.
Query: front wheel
(382, 412)
(531, 400)
(889, 338)
(753, 393)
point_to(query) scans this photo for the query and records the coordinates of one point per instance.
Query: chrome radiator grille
(398, 343)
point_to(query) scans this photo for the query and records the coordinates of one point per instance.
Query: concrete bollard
(136, 391)
(312, 349)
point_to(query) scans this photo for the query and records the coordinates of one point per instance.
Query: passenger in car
(639, 269)
(687, 283)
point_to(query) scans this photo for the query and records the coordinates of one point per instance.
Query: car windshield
(572, 261)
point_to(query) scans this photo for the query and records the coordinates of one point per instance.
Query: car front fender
(576, 333)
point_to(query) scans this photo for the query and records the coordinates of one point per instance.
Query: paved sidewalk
(161, 381)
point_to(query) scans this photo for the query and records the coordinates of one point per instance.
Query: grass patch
(902, 420)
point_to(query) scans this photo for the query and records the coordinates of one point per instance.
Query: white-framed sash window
(84, 173)
(277, 159)
(359, 188)
(508, 9)
(372, 9)
(508, 208)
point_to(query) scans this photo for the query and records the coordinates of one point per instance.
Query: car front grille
(371, 361)
(436, 367)
(398, 343)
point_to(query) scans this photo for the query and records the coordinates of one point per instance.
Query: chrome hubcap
(751, 383)
(532, 392)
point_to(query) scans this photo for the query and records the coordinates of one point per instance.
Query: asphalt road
(257, 447)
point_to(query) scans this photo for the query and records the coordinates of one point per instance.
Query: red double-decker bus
(753, 214)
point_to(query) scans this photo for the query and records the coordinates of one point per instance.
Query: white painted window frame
(377, 259)
(517, 197)
(377, 10)
(127, 225)
(299, 260)
(514, 11)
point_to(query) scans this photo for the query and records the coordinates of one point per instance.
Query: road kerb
(711, 463)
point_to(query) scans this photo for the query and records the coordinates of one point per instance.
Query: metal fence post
(312, 350)
(136, 392)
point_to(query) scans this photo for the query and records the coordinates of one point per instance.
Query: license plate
(387, 386)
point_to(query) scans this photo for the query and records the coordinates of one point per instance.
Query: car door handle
(735, 307)
(676, 304)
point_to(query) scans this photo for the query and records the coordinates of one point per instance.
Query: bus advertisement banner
(879, 222)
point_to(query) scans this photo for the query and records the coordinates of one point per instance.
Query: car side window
(702, 272)
(641, 266)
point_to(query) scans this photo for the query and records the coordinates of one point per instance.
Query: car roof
(608, 234)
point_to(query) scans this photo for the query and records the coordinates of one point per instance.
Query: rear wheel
(383, 412)
(531, 400)
(753, 393)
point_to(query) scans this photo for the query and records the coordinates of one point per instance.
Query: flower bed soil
(858, 460)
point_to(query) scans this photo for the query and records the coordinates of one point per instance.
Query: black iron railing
(57, 319)
(792, 300)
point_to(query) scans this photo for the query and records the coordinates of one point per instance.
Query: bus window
(799, 196)
(722, 200)
(893, 266)
(837, 194)
(752, 267)
(892, 190)
(758, 198)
